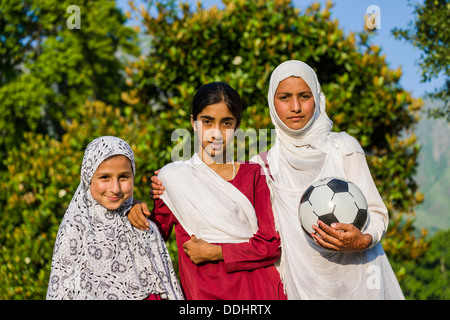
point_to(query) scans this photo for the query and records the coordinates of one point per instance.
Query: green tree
(430, 33)
(48, 71)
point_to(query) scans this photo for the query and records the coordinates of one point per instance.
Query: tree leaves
(76, 89)
(430, 33)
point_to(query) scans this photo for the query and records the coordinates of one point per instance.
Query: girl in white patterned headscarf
(98, 254)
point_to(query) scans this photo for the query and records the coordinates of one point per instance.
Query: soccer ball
(332, 200)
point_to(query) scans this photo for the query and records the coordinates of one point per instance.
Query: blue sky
(394, 14)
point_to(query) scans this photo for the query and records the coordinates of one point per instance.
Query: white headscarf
(98, 254)
(298, 155)
(318, 127)
(298, 158)
(205, 204)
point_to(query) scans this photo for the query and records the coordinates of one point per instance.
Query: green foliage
(240, 44)
(431, 34)
(428, 279)
(43, 174)
(434, 170)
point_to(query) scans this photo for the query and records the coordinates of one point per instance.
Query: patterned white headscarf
(98, 254)
(214, 210)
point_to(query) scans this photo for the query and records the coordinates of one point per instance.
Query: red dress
(247, 271)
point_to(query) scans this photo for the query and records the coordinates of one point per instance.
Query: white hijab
(298, 158)
(316, 130)
(98, 254)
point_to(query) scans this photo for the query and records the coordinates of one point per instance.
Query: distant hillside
(433, 174)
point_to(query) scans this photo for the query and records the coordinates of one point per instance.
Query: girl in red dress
(221, 210)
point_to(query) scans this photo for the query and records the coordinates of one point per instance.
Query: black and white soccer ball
(332, 200)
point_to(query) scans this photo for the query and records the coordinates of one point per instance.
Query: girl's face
(215, 126)
(113, 182)
(294, 102)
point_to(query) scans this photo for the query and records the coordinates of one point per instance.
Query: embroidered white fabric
(98, 254)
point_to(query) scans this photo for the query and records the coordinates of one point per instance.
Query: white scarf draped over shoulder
(98, 254)
(205, 204)
(297, 159)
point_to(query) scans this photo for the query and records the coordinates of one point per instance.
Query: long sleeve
(357, 170)
(163, 218)
(263, 249)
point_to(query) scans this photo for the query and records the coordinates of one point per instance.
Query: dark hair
(216, 92)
